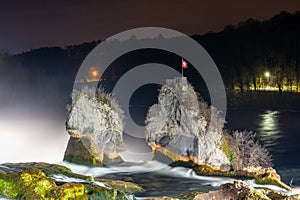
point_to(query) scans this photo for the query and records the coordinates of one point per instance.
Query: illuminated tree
(247, 150)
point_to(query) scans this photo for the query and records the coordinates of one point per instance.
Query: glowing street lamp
(95, 73)
(267, 74)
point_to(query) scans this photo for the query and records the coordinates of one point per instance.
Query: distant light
(95, 73)
(267, 74)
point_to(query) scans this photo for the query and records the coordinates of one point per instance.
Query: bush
(248, 151)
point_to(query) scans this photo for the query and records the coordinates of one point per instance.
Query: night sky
(34, 23)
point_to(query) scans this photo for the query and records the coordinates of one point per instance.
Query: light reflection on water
(278, 131)
(268, 128)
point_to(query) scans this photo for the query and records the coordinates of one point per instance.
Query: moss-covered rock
(97, 192)
(83, 151)
(68, 191)
(125, 186)
(8, 188)
(261, 175)
(36, 181)
(186, 196)
(28, 184)
(48, 169)
(77, 152)
(34, 184)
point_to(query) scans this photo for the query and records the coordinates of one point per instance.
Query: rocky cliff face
(185, 128)
(95, 124)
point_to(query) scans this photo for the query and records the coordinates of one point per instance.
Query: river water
(159, 179)
(276, 129)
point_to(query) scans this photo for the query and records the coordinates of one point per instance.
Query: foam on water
(163, 169)
(137, 167)
(65, 179)
(272, 187)
(294, 191)
(145, 167)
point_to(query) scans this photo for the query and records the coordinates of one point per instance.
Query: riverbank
(264, 100)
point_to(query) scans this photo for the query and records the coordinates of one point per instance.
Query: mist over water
(32, 120)
(33, 103)
(31, 133)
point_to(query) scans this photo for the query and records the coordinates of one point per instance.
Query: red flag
(184, 64)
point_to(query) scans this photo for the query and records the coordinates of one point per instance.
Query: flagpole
(184, 65)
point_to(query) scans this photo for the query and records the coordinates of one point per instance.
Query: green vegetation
(230, 154)
(97, 192)
(244, 151)
(34, 183)
(8, 188)
(124, 186)
(48, 169)
(82, 151)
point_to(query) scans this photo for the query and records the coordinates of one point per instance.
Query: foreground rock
(49, 181)
(234, 191)
(184, 128)
(187, 196)
(95, 124)
(241, 190)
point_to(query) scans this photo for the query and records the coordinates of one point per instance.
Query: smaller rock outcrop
(95, 126)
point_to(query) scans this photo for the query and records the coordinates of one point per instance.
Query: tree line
(244, 53)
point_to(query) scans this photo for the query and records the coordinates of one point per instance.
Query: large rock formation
(95, 124)
(184, 128)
